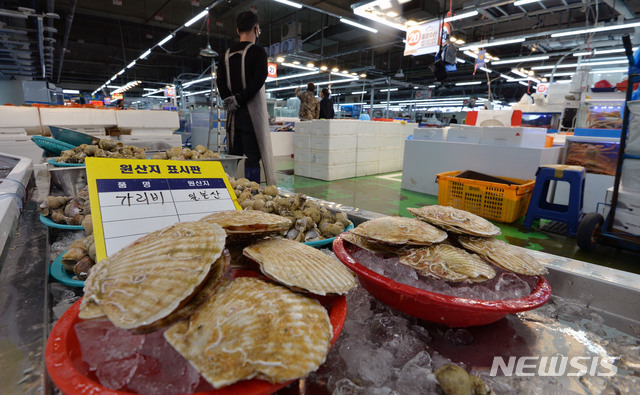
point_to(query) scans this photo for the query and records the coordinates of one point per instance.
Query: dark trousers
(246, 143)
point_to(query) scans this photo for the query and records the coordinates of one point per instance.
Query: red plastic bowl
(444, 309)
(62, 354)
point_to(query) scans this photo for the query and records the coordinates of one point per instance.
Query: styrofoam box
(464, 134)
(144, 119)
(78, 117)
(389, 154)
(434, 134)
(333, 157)
(19, 117)
(301, 168)
(367, 155)
(301, 140)
(390, 127)
(333, 142)
(302, 155)
(387, 166)
(368, 141)
(330, 173)
(514, 136)
(623, 220)
(367, 168)
(303, 127)
(628, 202)
(369, 127)
(630, 177)
(391, 141)
(322, 126)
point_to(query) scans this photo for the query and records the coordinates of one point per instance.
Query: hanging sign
(424, 39)
(272, 70)
(480, 61)
(542, 88)
(134, 197)
(170, 91)
(117, 96)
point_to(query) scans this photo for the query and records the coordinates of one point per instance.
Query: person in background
(326, 105)
(309, 104)
(453, 119)
(120, 104)
(241, 77)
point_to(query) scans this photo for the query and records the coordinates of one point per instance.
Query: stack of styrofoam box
(88, 120)
(433, 134)
(368, 146)
(16, 123)
(391, 147)
(146, 125)
(627, 216)
(333, 149)
(302, 148)
(464, 134)
(514, 136)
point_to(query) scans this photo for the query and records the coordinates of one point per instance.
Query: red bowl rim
(537, 298)
(71, 381)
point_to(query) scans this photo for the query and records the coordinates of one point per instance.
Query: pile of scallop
(448, 251)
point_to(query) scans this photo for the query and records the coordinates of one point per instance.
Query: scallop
(253, 329)
(248, 224)
(400, 231)
(301, 267)
(456, 220)
(143, 283)
(505, 255)
(447, 262)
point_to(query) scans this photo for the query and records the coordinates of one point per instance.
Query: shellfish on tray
(447, 262)
(504, 255)
(147, 281)
(248, 225)
(251, 328)
(455, 220)
(301, 267)
(399, 231)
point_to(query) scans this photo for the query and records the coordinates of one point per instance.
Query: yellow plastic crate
(490, 200)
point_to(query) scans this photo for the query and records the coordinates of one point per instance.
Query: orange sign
(117, 96)
(272, 70)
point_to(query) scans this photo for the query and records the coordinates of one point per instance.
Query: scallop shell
(448, 263)
(301, 267)
(505, 255)
(251, 328)
(143, 283)
(364, 243)
(242, 225)
(400, 231)
(455, 220)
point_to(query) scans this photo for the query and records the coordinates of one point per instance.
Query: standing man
(453, 119)
(326, 105)
(240, 81)
(309, 104)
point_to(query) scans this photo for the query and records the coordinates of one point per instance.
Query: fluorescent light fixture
(619, 70)
(458, 60)
(486, 44)
(324, 68)
(523, 83)
(298, 66)
(431, 86)
(521, 60)
(560, 66)
(148, 89)
(369, 11)
(358, 92)
(290, 3)
(311, 65)
(518, 72)
(120, 72)
(114, 86)
(335, 69)
(471, 54)
(345, 78)
(165, 40)
(356, 24)
(198, 93)
(468, 83)
(363, 75)
(144, 55)
(279, 59)
(461, 16)
(187, 84)
(130, 65)
(196, 18)
(287, 77)
(389, 90)
(486, 69)
(585, 53)
(71, 91)
(559, 75)
(523, 2)
(596, 29)
(153, 93)
(562, 82)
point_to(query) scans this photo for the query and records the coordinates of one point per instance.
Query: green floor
(383, 194)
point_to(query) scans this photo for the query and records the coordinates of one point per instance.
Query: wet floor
(383, 194)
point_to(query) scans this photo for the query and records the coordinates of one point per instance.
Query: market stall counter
(591, 316)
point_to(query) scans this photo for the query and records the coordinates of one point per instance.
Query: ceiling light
(517, 72)
(196, 18)
(363, 75)
(604, 63)
(531, 73)
(345, 71)
(335, 69)
(471, 54)
(596, 29)
(486, 44)
(521, 60)
(310, 65)
(165, 40)
(144, 55)
(392, 14)
(295, 62)
(544, 80)
(130, 65)
(358, 25)
(486, 69)
(358, 92)
(461, 16)
(148, 89)
(468, 83)
(373, 10)
(562, 82)
(354, 73)
(560, 66)
(559, 74)
(279, 59)
(523, 2)
(290, 3)
(523, 83)
(620, 70)
(120, 72)
(324, 68)
(71, 91)
(389, 90)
